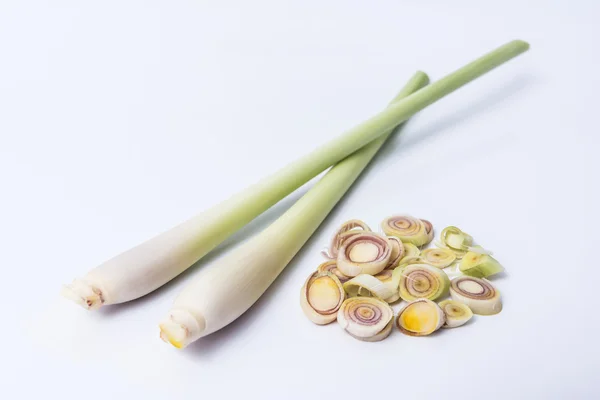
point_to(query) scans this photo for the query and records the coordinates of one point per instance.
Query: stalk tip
(181, 328)
(522, 43)
(84, 294)
(423, 76)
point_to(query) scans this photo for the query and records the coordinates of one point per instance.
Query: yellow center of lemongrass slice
(419, 317)
(364, 252)
(324, 294)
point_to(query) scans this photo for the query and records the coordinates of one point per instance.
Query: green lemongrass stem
(220, 294)
(155, 262)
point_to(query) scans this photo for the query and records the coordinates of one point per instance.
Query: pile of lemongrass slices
(367, 271)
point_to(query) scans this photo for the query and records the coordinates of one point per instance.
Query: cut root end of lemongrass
(84, 294)
(180, 328)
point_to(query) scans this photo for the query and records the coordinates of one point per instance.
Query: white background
(119, 119)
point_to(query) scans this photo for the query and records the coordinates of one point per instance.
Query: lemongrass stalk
(153, 263)
(220, 294)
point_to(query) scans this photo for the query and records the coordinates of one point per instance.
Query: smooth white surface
(118, 119)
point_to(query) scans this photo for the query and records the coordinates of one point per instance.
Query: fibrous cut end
(84, 294)
(180, 329)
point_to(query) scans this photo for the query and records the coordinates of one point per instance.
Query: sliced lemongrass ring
(440, 258)
(368, 286)
(420, 318)
(392, 280)
(410, 251)
(456, 240)
(364, 253)
(331, 266)
(479, 294)
(406, 228)
(428, 229)
(321, 297)
(479, 265)
(345, 231)
(422, 281)
(364, 317)
(397, 252)
(457, 313)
